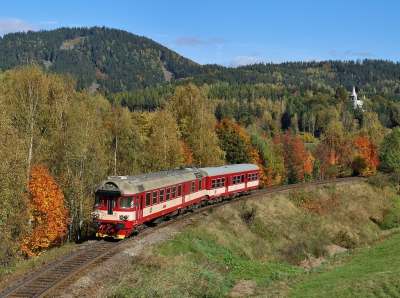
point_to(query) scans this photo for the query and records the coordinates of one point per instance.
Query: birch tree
(164, 148)
(26, 93)
(13, 203)
(196, 122)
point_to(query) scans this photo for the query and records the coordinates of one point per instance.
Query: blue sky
(231, 32)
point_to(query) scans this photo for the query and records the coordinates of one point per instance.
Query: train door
(181, 189)
(138, 206)
(111, 202)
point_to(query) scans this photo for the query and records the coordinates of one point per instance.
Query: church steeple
(353, 97)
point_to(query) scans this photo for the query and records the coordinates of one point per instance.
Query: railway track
(55, 275)
(60, 274)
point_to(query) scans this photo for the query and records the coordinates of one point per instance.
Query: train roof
(221, 170)
(161, 174)
(120, 185)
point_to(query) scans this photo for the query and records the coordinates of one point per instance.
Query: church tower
(353, 97)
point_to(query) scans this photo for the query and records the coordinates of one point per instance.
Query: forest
(60, 138)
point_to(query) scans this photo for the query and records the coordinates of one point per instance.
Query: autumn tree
(372, 128)
(196, 122)
(123, 139)
(366, 162)
(271, 163)
(48, 213)
(26, 91)
(187, 155)
(13, 204)
(80, 156)
(235, 142)
(164, 146)
(389, 155)
(335, 154)
(297, 160)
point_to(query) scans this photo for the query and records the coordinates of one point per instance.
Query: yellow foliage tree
(48, 213)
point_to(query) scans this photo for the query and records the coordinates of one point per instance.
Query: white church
(353, 98)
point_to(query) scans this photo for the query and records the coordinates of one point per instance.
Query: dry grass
(227, 247)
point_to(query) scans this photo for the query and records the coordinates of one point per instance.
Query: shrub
(343, 239)
(247, 213)
(379, 180)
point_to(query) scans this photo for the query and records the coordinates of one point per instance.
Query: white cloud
(195, 41)
(190, 41)
(219, 40)
(344, 54)
(245, 60)
(15, 25)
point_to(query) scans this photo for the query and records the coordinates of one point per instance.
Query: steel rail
(54, 275)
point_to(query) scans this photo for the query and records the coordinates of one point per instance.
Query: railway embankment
(263, 245)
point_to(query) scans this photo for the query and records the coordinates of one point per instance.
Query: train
(126, 205)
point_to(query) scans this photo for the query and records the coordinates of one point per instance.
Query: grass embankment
(372, 272)
(264, 241)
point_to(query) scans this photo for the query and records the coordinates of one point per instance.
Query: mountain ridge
(115, 59)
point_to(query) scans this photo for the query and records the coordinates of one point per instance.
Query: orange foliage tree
(335, 154)
(187, 158)
(297, 160)
(366, 162)
(235, 142)
(48, 213)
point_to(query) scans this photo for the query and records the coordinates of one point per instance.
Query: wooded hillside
(294, 120)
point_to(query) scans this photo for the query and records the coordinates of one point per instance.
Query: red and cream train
(128, 204)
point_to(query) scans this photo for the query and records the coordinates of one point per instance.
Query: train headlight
(95, 215)
(125, 217)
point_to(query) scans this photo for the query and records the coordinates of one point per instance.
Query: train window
(193, 188)
(168, 193)
(126, 202)
(213, 183)
(179, 190)
(234, 179)
(256, 176)
(148, 199)
(223, 182)
(242, 178)
(155, 195)
(199, 185)
(218, 182)
(173, 192)
(97, 201)
(161, 195)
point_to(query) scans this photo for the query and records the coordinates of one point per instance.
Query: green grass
(373, 272)
(210, 258)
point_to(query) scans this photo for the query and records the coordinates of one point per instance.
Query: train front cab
(115, 215)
